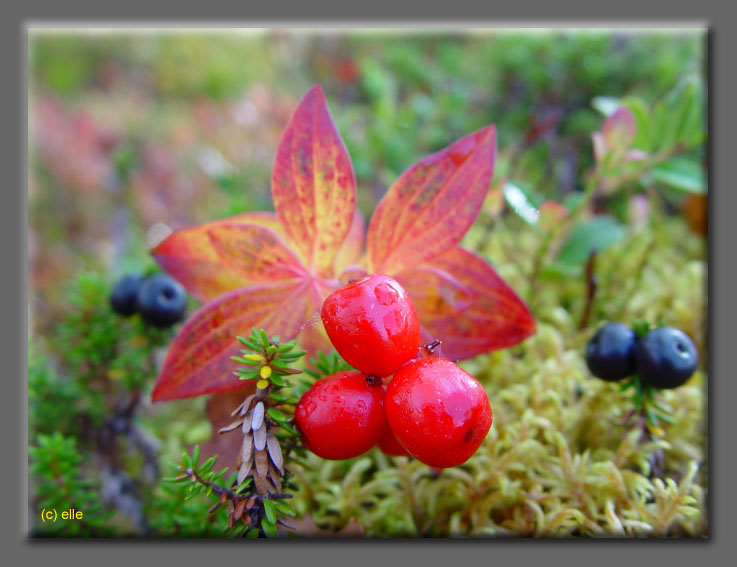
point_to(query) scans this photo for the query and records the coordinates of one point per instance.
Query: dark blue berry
(161, 301)
(123, 298)
(666, 358)
(610, 353)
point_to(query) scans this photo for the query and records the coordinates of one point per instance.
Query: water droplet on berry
(386, 294)
(308, 408)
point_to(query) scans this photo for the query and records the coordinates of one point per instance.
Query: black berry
(123, 297)
(161, 301)
(610, 353)
(666, 358)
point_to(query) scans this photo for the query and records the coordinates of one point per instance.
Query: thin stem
(571, 218)
(216, 488)
(591, 285)
(625, 297)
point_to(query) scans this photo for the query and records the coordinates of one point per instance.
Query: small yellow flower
(262, 384)
(265, 371)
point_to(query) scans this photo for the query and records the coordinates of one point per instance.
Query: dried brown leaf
(272, 444)
(263, 487)
(247, 421)
(238, 512)
(244, 406)
(275, 478)
(262, 463)
(259, 437)
(258, 416)
(222, 500)
(244, 470)
(247, 449)
(232, 426)
(237, 409)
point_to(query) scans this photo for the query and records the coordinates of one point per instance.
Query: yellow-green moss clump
(557, 461)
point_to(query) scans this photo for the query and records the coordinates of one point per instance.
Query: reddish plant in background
(275, 270)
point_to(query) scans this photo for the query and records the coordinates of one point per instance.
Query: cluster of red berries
(426, 408)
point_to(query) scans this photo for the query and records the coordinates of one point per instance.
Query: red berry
(341, 416)
(373, 325)
(437, 411)
(389, 445)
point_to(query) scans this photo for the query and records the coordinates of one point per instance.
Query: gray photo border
(460, 14)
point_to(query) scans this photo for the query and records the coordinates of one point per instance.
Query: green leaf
(292, 356)
(652, 418)
(286, 347)
(249, 375)
(269, 527)
(277, 381)
(195, 456)
(208, 464)
(640, 327)
(667, 122)
(605, 104)
(270, 511)
(643, 120)
(598, 233)
(691, 129)
(249, 343)
(279, 398)
(276, 415)
(678, 117)
(246, 361)
(683, 174)
(556, 271)
(665, 417)
(289, 429)
(284, 508)
(264, 338)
